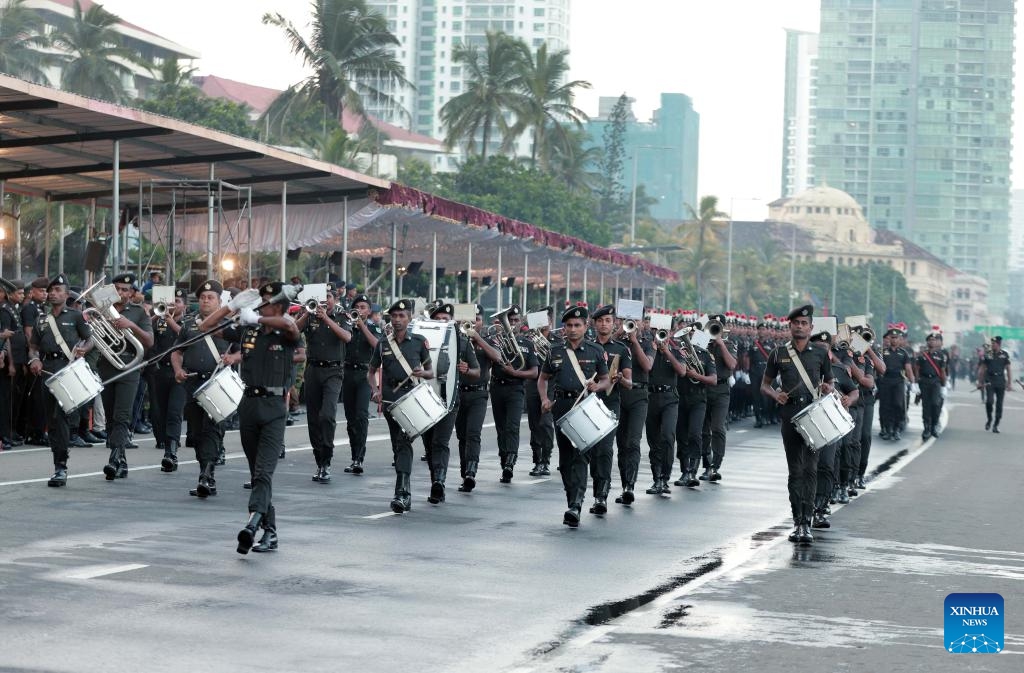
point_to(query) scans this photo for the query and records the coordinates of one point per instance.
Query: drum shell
(823, 421)
(587, 423)
(220, 395)
(418, 410)
(74, 385)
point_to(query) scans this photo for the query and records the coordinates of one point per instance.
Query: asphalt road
(136, 575)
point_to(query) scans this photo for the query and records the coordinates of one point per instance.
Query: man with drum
(404, 360)
(620, 373)
(633, 411)
(61, 335)
(166, 399)
(355, 391)
(193, 366)
(268, 340)
(466, 370)
(576, 366)
(119, 396)
(508, 396)
(831, 456)
(327, 334)
(794, 362)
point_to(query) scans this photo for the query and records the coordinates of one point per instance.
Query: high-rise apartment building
(429, 30)
(797, 132)
(912, 117)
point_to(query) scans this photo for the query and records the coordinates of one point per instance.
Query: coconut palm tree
(697, 232)
(171, 78)
(491, 92)
(545, 104)
(351, 53)
(572, 162)
(22, 41)
(94, 57)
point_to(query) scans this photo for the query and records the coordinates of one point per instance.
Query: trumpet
(506, 343)
(467, 328)
(160, 309)
(353, 315)
(313, 305)
(111, 342)
(661, 335)
(629, 326)
(715, 328)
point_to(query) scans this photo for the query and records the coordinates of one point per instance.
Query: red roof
(351, 122)
(258, 98)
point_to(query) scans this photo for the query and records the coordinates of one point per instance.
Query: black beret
(720, 317)
(447, 309)
(7, 285)
(401, 305)
(274, 288)
(361, 298)
(215, 286)
(822, 337)
(607, 309)
(762, 323)
(126, 278)
(182, 293)
(801, 312)
(997, 339)
(350, 286)
(514, 309)
(59, 279)
(575, 312)
(72, 299)
(479, 309)
(892, 332)
(18, 283)
(41, 283)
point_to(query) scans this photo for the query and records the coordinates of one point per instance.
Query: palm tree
(94, 58)
(171, 78)
(351, 53)
(491, 77)
(21, 42)
(572, 162)
(546, 103)
(703, 222)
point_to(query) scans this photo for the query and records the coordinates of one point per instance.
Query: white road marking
(536, 481)
(100, 571)
(382, 515)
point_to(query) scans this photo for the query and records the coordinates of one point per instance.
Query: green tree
(416, 173)
(93, 55)
(546, 102)
(22, 41)
(612, 193)
(491, 92)
(573, 163)
(191, 105)
(171, 78)
(351, 53)
(698, 234)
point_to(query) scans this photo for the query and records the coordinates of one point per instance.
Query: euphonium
(110, 341)
(540, 344)
(505, 340)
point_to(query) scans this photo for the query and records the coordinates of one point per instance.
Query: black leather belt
(473, 388)
(325, 363)
(54, 356)
(507, 382)
(356, 365)
(201, 377)
(567, 395)
(660, 389)
(264, 391)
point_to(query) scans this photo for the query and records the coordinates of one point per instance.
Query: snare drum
(823, 421)
(219, 397)
(587, 423)
(74, 385)
(418, 410)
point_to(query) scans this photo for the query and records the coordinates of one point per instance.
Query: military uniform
(690, 420)
(164, 414)
(355, 390)
(542, 428)
(993, 378)
(662, 418)
(572, 464)
(507, 400)
(53, 349)
(717, 412)
(892, 392)
(831, 456)
(10, 319)
(469, 420)
(325, 355)
(930, 369)
(757, 356)
(32, 419)
(395, 383)
(632, 416)
(602, 454)
(860, 439)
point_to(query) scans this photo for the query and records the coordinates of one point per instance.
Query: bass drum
(587, 423)
(221, 394)
(418, 410)
(74, 386)
(442, 339)
(823, 421)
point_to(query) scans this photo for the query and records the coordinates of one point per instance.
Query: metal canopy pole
(46, 240)
(344, 241)
(284, 231)
(500, 285)
(526, 280)
(547, 285)
(210, 229)
(469, 273)
(568, 283)
(394, 261)
(138, 225)
(115, 209)
(600, 300)
(585, 297)
(433, 268)
(60, 233)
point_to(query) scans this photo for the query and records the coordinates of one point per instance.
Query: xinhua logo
(974, 623)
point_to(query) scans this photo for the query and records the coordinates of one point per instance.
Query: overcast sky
(727, 55)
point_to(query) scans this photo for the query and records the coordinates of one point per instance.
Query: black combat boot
(122, 464)
(268, 542)
(169, 463)
(110, 469)
(507, 464)
(655, 488)
(571, 518)
(469, 480)
(204, 488)
(706, 474)
(681, 481)
(805, 533)
(325, 473)
(247, 535)
(60, 476)
(601, 489)
(436, 496)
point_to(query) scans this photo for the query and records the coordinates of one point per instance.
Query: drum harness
(401, 360)
(571, 354)
(804, 377)
(58, 337)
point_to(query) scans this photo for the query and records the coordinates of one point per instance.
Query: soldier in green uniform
(164, 413)
(693, 390)
(473, 405)
(355, 391)
(663, 412)
(993, 374)
(891, 388)
(717, 411)
(508, 396)
(574, 365)
(620, 368)
(60, 336)
(404, 359)
(633, 411)
(931, 366)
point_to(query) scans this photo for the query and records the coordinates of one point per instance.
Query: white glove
(915, 389)
(245, 299)
(249, 316)
(943, 391)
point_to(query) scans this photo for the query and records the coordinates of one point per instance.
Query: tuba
(505, 341)
(111, 342)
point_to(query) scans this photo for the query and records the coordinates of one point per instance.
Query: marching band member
(575, 365)
(717, 411)
(119, 396)
(508, 397)
(60, 336)
(620, 370)
(327, 334)
(829, 456)
(693, 390)
(872, 365)
(633, 403)
(33, 412)
(10, 328)
(436, 440)
(757, 357)
(166, 398)
(861, 370)
(663, 412)
(193, 366)
(931, 366)
(355, 391)
(542, 428)
(993, 373)
(891, 398)
(792, 362)
(402, 357)
(268, 340)
(469, 420)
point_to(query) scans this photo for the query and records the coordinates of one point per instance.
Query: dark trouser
(6, 389)
(401, 445)
(34, 406)
(849, 468)
(662, 412)
(689, 429)
(542, 427)
(469, 420)
(60, 430)
(507, 408)
(602, 454)
(178, 395)
(571, 463)
(802, 464)
(827, 457)
(890, 403)
(261, 423)
(138, 405)
(994, 396)
(632, 416)
(760, 402)
(437, 442)
(355, 392)
(118, 399)
(161, 382)
(206, 435)
(715, 415)
(868, 411)
(322, 386)
(931, 401)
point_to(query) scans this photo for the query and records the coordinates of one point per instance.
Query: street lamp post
(636, 161)
(3, 239)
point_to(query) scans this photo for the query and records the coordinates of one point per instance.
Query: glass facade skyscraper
(912, 108)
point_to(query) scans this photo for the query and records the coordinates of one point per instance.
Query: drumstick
(584, 391)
